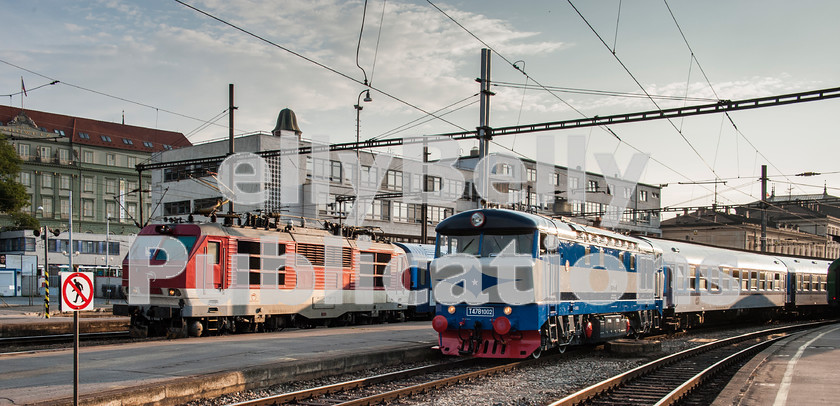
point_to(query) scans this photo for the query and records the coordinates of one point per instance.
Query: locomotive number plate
(480, 311)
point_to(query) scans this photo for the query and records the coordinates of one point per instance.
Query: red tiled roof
(95, 130)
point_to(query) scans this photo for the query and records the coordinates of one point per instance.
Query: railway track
(25, 341)
(675, 378)
(394, 385)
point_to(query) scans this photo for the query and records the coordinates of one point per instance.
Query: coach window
(777, 285)
(823, 283)
(692, 278)
(799, 278)
(762, 277)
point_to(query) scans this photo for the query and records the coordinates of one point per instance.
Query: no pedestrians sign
(76, 291)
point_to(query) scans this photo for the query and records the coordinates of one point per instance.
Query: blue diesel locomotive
(515, 284)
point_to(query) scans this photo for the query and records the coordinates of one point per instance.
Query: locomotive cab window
(494, 244)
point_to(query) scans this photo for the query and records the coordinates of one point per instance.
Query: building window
(65, 182)
(25, 179)
(127, 141)
(531, 173)
(132, 161)
(111, 186)
(105, 138)
(148, 144)
(369, 176)
(64, 155)
(132, 210)
(110, 159)
(84, 136)
(207, 203)
(110, 210)
(335, 171)
(47, 180)
(555, 179)
(379, 210)
(44, 153)
(87, 157)
(400, 211)
(503, 169)
(87, 184)
(433, 183)
(643, 195)
(47, 204)
(87, 207)
(176, 208)
(130, 186)
(573, 184)
(65, 208)
(592, 186)
(23, 151)
(394, 179)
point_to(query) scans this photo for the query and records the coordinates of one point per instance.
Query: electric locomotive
(236, 279)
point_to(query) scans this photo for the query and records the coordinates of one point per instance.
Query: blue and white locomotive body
(515, 284)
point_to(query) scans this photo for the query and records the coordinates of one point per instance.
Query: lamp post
(358, 108)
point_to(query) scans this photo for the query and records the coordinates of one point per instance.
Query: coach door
(216, 254)
(668, 286)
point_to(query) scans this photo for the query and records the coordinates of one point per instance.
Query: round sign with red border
(77, 291)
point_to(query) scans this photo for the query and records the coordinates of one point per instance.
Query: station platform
(170, 372)
(20, 318)
(800, 370)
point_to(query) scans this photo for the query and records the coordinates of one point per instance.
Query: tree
(13, 196)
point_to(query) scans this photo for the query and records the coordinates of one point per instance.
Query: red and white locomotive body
(235, 278)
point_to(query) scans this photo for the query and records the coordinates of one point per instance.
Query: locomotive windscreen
(489, 244)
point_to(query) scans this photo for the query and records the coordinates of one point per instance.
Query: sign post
(77, 291)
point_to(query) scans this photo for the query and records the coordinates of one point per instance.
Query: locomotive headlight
(174, 292)
(451, 309)
(508, 310)
(477, 219)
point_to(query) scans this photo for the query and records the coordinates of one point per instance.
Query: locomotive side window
(372, 268)
(213, 250)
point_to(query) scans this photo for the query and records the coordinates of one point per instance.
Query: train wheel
(536, 354)
(561, 349)
(196, 328)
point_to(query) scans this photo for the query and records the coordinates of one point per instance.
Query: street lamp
(358, 108)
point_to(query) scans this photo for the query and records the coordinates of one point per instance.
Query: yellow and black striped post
(46, 275)
(46, 292)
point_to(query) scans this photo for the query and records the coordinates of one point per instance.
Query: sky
(164, 65)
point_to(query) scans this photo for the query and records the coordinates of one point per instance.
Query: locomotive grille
(316, 256)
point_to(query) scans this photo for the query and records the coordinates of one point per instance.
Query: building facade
(799, 225)
(325, 188)
(93, 160)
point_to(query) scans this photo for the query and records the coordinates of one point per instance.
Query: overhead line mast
(719, 107)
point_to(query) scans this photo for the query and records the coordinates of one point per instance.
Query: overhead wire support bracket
(711, 108)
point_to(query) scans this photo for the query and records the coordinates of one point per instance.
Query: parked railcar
(710, 282)
(833, 285)
(249, 278)
(419, 257)
(807, 282)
